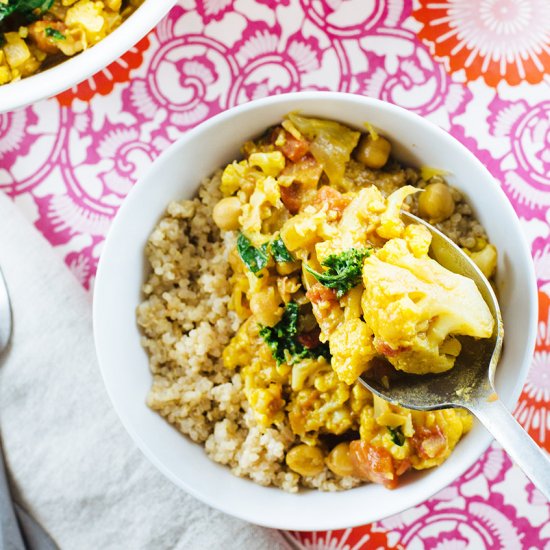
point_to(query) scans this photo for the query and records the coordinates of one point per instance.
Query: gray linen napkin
(10, 534)
(72, 465)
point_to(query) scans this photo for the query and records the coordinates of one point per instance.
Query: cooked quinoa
(188, 320)
(186, 324)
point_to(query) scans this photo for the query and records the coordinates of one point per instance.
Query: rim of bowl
(234, 112)
(75, 70)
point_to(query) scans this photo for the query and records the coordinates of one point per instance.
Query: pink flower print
(535, 496)
(12, 132)
(475, 523)
(402, 72)
(274, 3)
(180, 88)
(541, 136)
(27, 154)
(184, 81)
(100, 162)
(196, 75)
(353, 18)
(125, 157)
(454, 541)
(491, 467)
(525, 170)
(504, 116)
(271, 64)
(494, 464)
(13, 144)
(83, 263)
(213, 9)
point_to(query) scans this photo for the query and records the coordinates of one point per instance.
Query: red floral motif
(104, 81)
(494, 39)
(533, 410)
(366, 537)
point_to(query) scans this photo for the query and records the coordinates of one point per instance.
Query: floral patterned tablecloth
(478, 68)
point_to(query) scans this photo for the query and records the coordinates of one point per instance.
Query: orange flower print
(533, 410)
(499, 40)
(366, 537)
(104, 81)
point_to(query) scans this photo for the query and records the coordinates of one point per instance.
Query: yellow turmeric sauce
(329, 282)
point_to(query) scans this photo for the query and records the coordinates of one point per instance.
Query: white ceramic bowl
(175, 175)
(70, 72)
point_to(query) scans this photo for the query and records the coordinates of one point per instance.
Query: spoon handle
(522, 449)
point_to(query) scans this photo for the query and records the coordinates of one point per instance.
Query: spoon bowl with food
(469, 383)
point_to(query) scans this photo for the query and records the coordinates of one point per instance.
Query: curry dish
(308, 278)
(36, 34)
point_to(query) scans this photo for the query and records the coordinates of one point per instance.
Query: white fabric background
(71, 462)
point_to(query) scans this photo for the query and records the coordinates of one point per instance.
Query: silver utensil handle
(533, 460)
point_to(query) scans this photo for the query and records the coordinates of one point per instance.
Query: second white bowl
(74, 70)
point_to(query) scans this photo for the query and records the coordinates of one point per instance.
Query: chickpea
(306, 460)
(339, 461)
(226, 213)
(436, 203)
(265, 305)
(373, 153)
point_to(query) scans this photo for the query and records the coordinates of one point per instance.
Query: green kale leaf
(54, 33)
(254, 258)
(397, 435)
(27, 8)
(343, 270)
(283, 342)
(279, 251)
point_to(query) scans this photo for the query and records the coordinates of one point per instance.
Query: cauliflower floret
(271, 164)
(418, 238)
(303, 230)
(391, 224)
(233, 177)
(89, 17)
(265, 196)
(352, 349)
(414, 306)
(303, 370)
(356, 228)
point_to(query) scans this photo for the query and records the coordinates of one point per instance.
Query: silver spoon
(470, 383)
(18, 530)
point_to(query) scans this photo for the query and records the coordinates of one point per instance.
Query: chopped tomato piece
(292, 197)
(429, 442)
(46, 35)
(294, 149)
(310, 339)
(306, 171)
(320, 293)
(335, 201)
(374, 464)
(402, 466)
